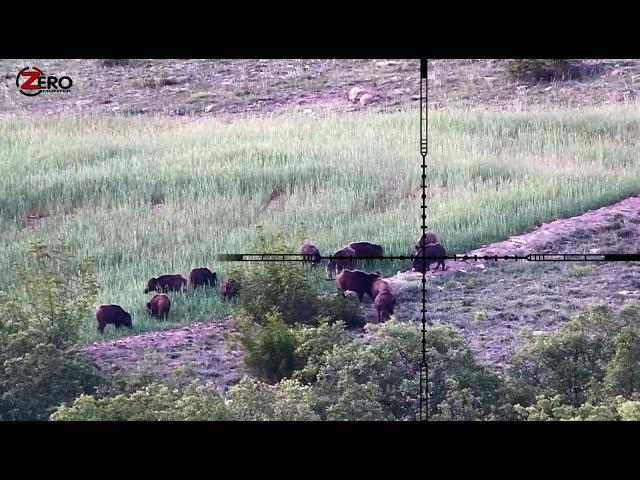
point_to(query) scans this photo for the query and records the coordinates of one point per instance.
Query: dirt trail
(203, 346)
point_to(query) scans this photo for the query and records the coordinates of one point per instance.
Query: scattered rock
(627, 292)
(389, 63)
(354, 93)
(209, 108)
(366, 99)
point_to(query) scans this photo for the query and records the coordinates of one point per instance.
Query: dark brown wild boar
(112, 314)
(345, 257)
(229, 289)
(202, 276)
(166, 283)
(357, 281)
(421, 264)
(379, 286)
(311, 253)
(427, 238)
(384, 303)
(366, 249)
(159, 306)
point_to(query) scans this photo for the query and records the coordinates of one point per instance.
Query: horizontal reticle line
(532, 257)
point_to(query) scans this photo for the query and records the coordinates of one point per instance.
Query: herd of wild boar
(342, 267)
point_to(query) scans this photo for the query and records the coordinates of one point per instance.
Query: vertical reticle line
(424, 371)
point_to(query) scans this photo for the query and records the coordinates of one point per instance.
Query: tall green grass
(343, 178)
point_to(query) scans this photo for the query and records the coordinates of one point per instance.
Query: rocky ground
(230, 88)
(220, 88)
(472, 83)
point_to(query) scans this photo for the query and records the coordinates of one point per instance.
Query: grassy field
(146, 196)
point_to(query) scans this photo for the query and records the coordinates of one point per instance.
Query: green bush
(156, 401)
(48, 302)
(569, 363)
(371, 381)
(285, 286)
(31, 385)
(593, 357)
(40, 317)
(459, 387)
(623, 371)
(315, 343)
(269, 350)
(288, 400)
(336, 307)
(380, 380)
(543, 70)
(546, 409)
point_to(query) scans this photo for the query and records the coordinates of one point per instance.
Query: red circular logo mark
(30, 84)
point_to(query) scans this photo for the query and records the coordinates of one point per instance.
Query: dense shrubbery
(289, 287)
(276, 300)
(156, 401)
(40, 317)
(588, 370)
(269, 350)
(287, 400)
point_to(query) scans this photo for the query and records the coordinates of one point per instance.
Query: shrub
(31, 385)
(623, 371)
(269, 350)
(380, 380)
(376, 381)
(315, 343)
(543, 70)
(157, 401)
(628, 410)
(285, 286)
(288, 400)
(47, 304)
(569, 363)
(545, 409)
(336, 307)
(459, 387)
(40, 317)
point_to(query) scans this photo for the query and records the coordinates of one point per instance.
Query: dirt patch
(201, 347)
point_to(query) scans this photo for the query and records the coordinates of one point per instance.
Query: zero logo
(32, 81)
(31, 85)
